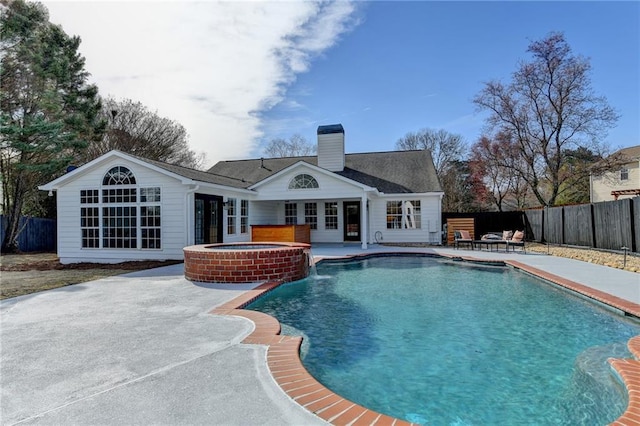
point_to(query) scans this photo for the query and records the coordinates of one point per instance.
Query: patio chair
(462, 237)
(516, 241)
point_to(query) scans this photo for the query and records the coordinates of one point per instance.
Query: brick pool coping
(283, 352)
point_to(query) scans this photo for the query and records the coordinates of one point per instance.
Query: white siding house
(121, 207)
(621, 183)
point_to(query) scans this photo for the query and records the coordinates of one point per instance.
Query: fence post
(593, 226)
(562, 233)
(634, 243)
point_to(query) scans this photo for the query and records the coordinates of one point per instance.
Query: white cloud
(211, 66)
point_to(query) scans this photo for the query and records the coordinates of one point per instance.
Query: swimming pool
(434, 342)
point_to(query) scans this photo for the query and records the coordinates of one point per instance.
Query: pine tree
(48, 113)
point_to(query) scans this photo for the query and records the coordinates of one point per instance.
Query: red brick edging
(221, 263)
(283, 356)
(283, 359)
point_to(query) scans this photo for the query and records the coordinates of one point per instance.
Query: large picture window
(120, 215)
(404, 214)
(119, 227)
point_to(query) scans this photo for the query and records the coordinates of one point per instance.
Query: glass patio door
(351, 220)
(208, 219)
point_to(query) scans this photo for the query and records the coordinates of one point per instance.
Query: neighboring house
(121, 207)
(623, 182)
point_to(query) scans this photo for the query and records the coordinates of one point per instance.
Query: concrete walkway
(141, 348)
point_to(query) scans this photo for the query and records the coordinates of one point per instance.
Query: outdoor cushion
(465, 235)
(506, 235)
(517, 237)
(491, 237)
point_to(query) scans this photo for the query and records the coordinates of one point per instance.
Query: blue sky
(238, 74)
(411, 65)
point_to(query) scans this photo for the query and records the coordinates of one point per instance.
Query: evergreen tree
(48, 111)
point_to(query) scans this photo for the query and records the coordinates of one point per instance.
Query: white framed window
(291, 213)
(331, 215)
(244, 216)
(120, 214)
(394, 214)
(624, 173)
(90, 227)
(311, 215)
(119, 227)
(303, 181)
(231, 216)
(404, 214)
(150, 227)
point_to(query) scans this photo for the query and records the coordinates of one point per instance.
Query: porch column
(363, 222)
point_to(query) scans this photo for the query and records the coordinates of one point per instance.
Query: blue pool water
(437, 342)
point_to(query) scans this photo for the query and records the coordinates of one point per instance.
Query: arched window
(119, 176)
(303, 181)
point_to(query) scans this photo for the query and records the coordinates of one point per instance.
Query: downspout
(440, 221)
(189, 205)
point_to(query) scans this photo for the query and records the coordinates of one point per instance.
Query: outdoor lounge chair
(490, 241)
(516, 241)
(462, 237)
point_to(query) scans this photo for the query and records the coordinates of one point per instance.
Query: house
(122, 207)
(621, 183)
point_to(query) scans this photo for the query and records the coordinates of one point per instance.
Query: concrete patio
(142, 348)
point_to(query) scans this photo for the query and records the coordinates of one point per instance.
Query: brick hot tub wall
(224, 263)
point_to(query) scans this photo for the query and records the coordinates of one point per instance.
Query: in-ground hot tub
(246, 262)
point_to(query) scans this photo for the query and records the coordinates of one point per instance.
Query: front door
(208, 219)
(351, 220)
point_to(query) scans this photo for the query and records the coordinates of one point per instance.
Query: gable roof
(632, 152)
(185, 174)
(393, 172)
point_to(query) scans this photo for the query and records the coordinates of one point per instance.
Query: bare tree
(549, 110)
(495, 162)
(445, 147)
(134, 129)
(296, 146)
(463, 192)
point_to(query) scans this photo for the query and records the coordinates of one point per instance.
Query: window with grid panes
(404, 214)
(624, 173)
(244, 216)
(290, 213)
(331, 215)
(231, 216)
(303, 181)
(120, 215)
(90, 219)
(311, 215)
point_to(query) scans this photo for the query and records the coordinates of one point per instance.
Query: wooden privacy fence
(607, 225)
(38, 234)
(479, 223)
(459, 224)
